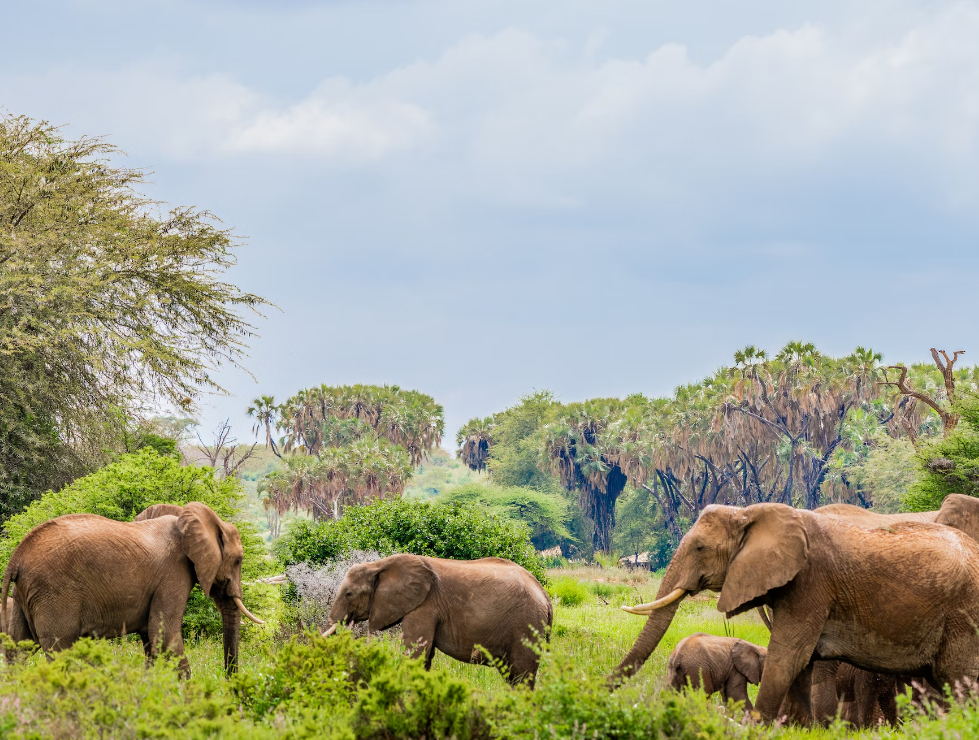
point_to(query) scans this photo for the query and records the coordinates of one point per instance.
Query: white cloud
(339, 121)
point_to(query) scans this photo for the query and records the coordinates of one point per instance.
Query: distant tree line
(800, 427)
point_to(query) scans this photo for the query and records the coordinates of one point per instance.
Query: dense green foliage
(107, 301)
(951, 464)
(124, 488)
(545, 514)
(799, 427)
(455, 531)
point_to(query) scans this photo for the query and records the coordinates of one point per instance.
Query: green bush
(569, 590)
(454, 531)
(959, 454)
(545, 514)
(124, 488)
(347, 688)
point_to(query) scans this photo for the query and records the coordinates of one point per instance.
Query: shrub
(346, 688)
(454, 531)
(545, 514)
(316, 589)
(958, 455)
(569, 590)
(124, 488)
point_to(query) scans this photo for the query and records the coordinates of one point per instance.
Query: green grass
(102, 689)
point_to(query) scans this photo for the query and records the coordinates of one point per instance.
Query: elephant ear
(749, 660)
(158, 510)
(402, 585)
(202, 540)
(774, 547)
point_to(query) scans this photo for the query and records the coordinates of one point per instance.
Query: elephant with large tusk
(83, 575)
(901, 599)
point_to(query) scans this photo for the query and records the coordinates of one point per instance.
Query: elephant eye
(700, 547)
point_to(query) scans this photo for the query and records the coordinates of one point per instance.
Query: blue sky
(479, 199)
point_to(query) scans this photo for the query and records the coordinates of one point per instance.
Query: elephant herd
(83, 575)
(860, 604)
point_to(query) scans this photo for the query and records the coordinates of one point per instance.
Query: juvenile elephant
(715, 663)
(455, 606)
(862, 698)
(83, 575)
(901, 599)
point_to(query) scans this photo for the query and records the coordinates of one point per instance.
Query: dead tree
(226, 449)
(912, 395)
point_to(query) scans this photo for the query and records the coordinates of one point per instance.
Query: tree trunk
(600, 508)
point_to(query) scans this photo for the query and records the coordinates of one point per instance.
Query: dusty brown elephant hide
(459, 607)
(83, 575)
(901, 599)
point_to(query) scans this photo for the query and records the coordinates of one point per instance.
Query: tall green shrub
(455, 531)
(124, 488)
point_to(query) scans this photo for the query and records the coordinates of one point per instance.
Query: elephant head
(382, 592)
(741, 552)
(215, 550)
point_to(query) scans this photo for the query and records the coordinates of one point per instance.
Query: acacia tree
(108, 300)
(920, 388)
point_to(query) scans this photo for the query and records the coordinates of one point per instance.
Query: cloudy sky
(479, 199)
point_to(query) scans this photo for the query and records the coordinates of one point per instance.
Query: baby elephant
(461, 607)
(724, 664)
(862, 698)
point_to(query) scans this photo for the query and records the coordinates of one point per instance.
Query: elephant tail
(9, 576)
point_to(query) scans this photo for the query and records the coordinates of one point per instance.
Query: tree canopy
(346, 445)
(800, 427)
(108, 301)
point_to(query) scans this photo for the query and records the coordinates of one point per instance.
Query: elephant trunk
(652, 632)
(231, 625)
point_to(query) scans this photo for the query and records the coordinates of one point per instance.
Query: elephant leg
(824, 700)
(887, 698)
(163, 632)
(736, 689)
(866, 688)
(522, 665)
(787, 667)
(418, 635)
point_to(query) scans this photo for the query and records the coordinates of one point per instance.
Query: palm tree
(265, 413)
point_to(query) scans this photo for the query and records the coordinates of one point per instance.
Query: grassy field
(289, 688)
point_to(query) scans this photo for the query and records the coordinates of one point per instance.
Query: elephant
(467, 609)
(901, 599)
(958, 511)
(83, 575)
(862, 698)
(715, 663)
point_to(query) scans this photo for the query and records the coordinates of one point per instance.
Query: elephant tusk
(645, 609)
(331, 630)
(247, 613)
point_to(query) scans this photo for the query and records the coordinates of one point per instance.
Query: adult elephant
(467, 609)
(902, 599)
(83, 575)
(958, 511)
